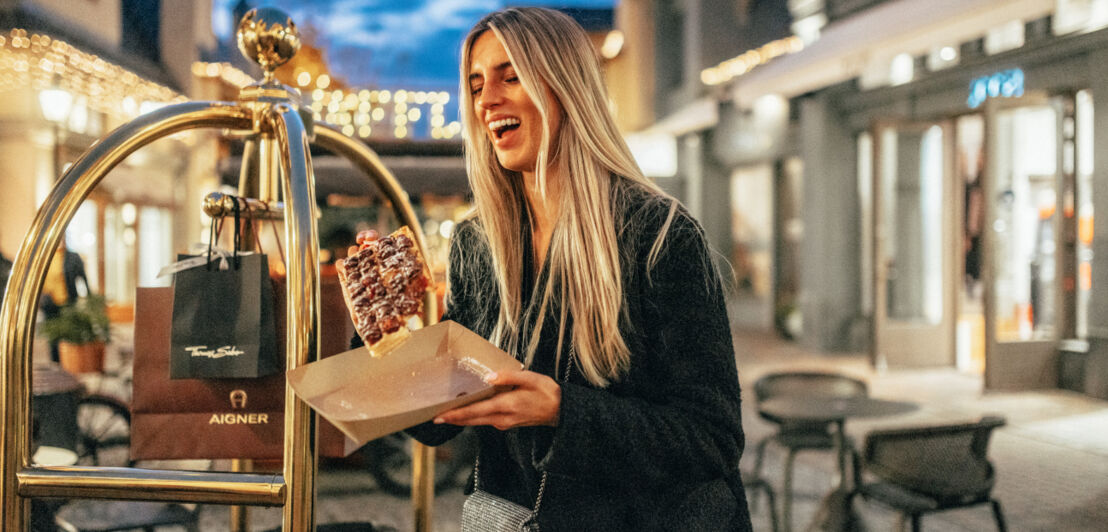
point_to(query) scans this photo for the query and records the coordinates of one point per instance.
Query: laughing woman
(627, 414)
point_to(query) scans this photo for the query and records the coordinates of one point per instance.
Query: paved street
(1051, 458)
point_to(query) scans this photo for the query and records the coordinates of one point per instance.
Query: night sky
(388, 43)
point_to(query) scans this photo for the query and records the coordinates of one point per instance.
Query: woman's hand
(529, 399)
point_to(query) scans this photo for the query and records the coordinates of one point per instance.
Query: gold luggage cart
(270, 113)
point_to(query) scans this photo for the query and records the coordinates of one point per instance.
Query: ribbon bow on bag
(201, 259)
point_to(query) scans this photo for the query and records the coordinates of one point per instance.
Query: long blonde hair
(549, 50)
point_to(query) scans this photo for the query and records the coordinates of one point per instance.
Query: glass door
(1023, 249)
(914, 219)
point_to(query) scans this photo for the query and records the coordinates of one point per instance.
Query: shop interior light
(808, 28)
(656, 153)
(56, 104)
(78, 116)
(129, 106)
(446, 228)
(149, 107)
(902, 69)
(1007, 36)
(128, 214)
(613, 44)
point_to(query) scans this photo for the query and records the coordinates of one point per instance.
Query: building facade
(930, 174)
(70, 72)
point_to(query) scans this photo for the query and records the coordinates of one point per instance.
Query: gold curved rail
(295, 490)
(17, 326)
(302, 334)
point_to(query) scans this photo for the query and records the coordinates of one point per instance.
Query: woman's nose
(490, 96)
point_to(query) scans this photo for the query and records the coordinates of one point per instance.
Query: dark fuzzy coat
(657, 450)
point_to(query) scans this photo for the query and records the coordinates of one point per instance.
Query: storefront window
(1024, 203)
(81, 238)
(752, 229)
(1080, 16)
(912, 186)
(865, 207)
(119, 255)
(155, 242)
(1084, 209)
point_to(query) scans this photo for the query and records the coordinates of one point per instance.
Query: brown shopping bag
(219, 418)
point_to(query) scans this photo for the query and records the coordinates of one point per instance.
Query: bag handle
(238, 232)
(215, 230)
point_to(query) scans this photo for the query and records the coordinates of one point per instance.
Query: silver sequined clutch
(485, 512)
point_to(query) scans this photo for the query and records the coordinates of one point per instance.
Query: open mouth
(502, 126)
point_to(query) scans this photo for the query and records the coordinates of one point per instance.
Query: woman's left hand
(528, 399)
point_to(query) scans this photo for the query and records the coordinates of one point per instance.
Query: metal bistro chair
(754, 484)
(932, 469)
(796, 436)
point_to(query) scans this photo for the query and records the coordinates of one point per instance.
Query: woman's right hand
(531, 399)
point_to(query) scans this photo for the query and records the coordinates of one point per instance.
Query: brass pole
(298, 185)
(240, 515)
(257, 178)
(327, 136)
(17, 315)
(423, 485)
(269, 161)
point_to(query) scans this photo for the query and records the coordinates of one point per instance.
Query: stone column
(830, 253)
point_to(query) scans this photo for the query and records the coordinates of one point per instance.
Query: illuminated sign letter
(1004, 84)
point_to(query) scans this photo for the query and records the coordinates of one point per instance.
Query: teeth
(503, 122)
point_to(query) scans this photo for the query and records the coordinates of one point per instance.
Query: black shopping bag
(223, 320)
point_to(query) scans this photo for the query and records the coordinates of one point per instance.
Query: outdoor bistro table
(835, 511)
(54, 408)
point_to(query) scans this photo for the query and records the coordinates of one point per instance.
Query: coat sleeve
(683, 420)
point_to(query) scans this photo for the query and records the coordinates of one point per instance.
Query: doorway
(912, 243)
(1037, 259)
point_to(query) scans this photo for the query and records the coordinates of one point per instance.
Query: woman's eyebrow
(502, 66)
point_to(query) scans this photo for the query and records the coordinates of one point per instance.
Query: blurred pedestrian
(5, 274)
(61, 286)
(627, 414)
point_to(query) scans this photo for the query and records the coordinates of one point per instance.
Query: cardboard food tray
(438, 368)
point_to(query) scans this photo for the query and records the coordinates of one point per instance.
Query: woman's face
(511, 120)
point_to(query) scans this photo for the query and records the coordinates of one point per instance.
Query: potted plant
(81, 330)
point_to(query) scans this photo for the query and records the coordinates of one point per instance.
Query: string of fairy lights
(40, 62)
(358, 112)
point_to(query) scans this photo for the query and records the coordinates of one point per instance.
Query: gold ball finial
(268, 37)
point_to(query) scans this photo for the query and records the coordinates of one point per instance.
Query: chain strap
(542, 482)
